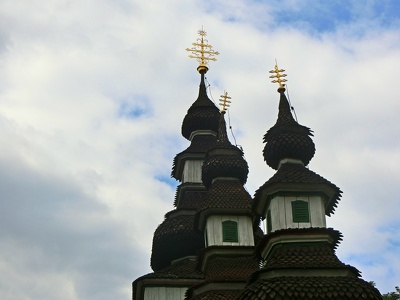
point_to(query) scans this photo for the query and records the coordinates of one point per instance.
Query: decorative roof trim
(179, 260)
(293, 235)
(301, 272)
(179, 162)
(206, 253)
(224, 178)
(202, 132)
(267, 192)
(184, 187)
(197, 290)
(291, 161)
(179, 212)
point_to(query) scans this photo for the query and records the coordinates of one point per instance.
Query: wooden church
(210, 246)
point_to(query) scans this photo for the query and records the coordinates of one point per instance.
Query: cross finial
(224, 102)
(278, 75)
(202, 51)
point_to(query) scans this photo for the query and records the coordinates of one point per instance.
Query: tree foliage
(392, 295)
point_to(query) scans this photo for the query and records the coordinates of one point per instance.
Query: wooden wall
(214, 230)
(164, 293)
(281, 212)
(192, 171)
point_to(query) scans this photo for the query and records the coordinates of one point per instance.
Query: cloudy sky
(92, 97)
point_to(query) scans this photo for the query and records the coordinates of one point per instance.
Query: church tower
(297, 254)
(176, 240)
(226, 220)
(210, 246)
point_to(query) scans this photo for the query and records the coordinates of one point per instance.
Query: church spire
(287, 139)
(222, 137)
(224, 160)
(203, 115)
(297, 254)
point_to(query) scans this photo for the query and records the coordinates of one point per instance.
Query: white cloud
(79, 190)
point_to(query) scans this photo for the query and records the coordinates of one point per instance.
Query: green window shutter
(300, 212)
(269, 221)
(230, 232)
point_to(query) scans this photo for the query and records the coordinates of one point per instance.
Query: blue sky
(92, 98)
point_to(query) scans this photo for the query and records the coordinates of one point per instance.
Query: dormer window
(230, 232)
(300, 211)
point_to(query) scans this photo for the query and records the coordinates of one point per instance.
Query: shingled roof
(224, 160)
(287, 138)
(217, 295)
(304, 255)
(184, 269)
(189, 195)
(202, 115)
(239, 268)
(310, 288)
(176, 237)
(199, 146)
(228, 195)
(289, 174)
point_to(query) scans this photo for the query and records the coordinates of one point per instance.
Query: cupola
(287, 139)
(176, 237)
(295, 196)
(225, 213)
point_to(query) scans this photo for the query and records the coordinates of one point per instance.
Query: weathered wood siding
(192, 171)
(214, 230)
(164, 293)
(281, 212)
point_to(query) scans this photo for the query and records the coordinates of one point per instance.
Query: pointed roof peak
(287, 138)
(285, 116)
(222, 137)
(203, 114)
(224, 160)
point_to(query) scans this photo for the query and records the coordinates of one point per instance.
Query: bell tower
(297, 254)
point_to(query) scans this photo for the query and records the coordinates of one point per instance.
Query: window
(300, 212)
(269, 221)
(230, 232)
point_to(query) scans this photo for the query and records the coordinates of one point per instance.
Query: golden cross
(278, 76)
(224, 102)
(202, 51)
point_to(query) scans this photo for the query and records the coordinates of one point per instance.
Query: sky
(92, 98)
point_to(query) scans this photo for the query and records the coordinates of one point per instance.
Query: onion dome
(175, 238)
(202, 115)
(287, 138)
(224, 160)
